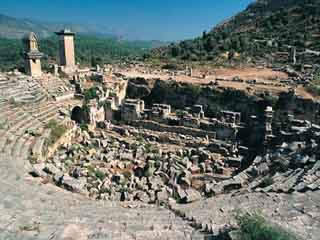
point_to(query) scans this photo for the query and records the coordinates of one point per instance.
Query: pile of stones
(108, 166)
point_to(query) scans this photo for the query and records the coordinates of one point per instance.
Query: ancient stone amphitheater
(33, 209)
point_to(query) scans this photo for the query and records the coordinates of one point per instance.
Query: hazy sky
(138, 19)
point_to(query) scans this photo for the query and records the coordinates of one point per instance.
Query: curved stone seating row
(21, 89)
(19, 120)
(37, 150)
(56, 86)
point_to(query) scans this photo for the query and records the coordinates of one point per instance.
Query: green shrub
(105, 190)
(313, 89)
(170, 66)
(91, 170)
(266, 182)
(255, 227)
(57, 131)
(193, 89)
(127, 174)
(99, 174)
(90, 94)
(316, 78)
(84, 127)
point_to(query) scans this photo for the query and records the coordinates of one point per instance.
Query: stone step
(7, 85)
(21, 95)
(49, 109)
(15, 148)
(40, 98)
(16, 117)
(21, 133)
(25, 149)
(48, 116)
(24, 139)
(10, 114)
(37, 147)
(12, 92)
(47, 120)
(15, 131)
(36, 108)
(3, 103)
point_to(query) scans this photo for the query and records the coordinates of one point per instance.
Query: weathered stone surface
(38, 170)
(142, 196)
(192, 195)
(51, 169)
(73, 184)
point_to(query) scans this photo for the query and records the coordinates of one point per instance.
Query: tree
(204, 35)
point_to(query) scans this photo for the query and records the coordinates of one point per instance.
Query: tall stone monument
(32, 55)
(293, 55)
(66, 50)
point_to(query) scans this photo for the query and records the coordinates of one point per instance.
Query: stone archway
(78, 115)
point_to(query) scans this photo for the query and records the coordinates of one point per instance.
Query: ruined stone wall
(129, 115)
(122, 90)
(65, 139)
(214, 100)
(225, 133)
(97, 114)
(301, 108)
(109, 114)
(64, 97)
(154, 126)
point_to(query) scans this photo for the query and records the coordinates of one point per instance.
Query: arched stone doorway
(78, 115)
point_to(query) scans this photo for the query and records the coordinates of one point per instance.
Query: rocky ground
(282, 185)
(32, 208)
(109, 166)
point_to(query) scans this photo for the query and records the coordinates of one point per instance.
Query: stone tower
(268, 117)
(66, 49)
(32, 55)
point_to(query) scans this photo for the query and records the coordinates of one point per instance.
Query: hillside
(265, 31)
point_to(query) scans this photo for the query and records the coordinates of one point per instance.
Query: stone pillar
(32, 55)
(268, 116)
(66, 49)
(55, 70)
(293, 55)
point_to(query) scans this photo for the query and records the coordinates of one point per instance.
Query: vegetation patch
(313, 89)
(90, 50)
(255, 34)
(90, 94)
(99, 174)
(255, 227)
(268, 181)
(57, 131)
(2, 125)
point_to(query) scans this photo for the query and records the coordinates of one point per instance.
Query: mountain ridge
(16, 28)
(263, 29)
